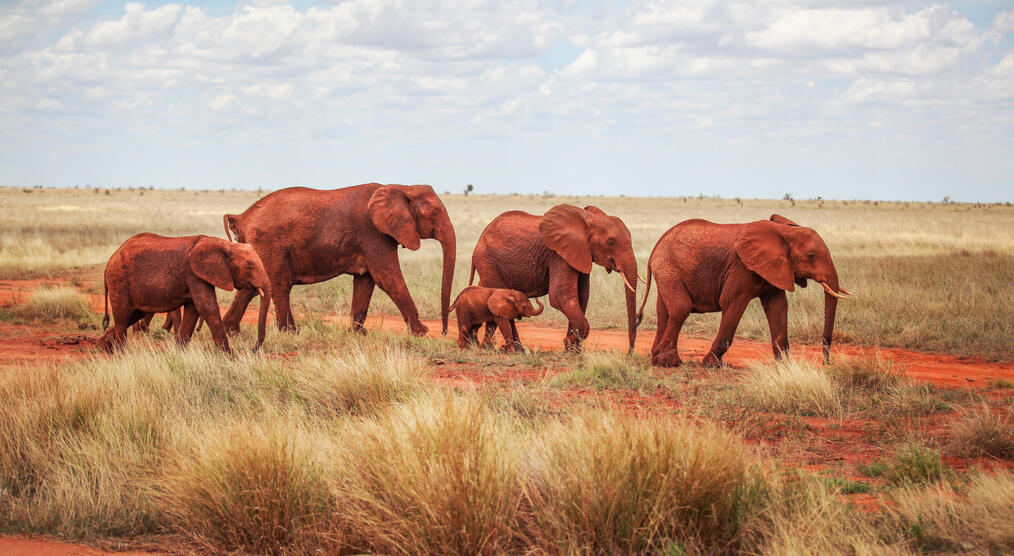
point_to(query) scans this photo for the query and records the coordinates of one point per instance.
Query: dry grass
(794, 387)
(53, 303)
(977, 519)
(983, 432)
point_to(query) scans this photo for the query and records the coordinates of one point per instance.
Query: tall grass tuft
(250, 487)
(436, 476)
(983, 433)
(792, 386)
(911, 463)
(54, 303)
(605, 371)
(607, 484)
(940, 518)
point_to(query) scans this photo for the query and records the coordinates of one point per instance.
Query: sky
(858, 99)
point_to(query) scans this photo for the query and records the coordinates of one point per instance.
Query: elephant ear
(565, 230)
(595, 210)
(779, 219)
(499, 304)
(390, 213)
(763, 250)
(209, 259)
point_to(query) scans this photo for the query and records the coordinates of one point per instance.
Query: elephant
(553, 254)
(305, 236)
(172, 321)
(476, 306)
(150, 273)
(703, 267)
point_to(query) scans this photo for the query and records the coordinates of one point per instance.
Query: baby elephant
(150, 273)
(476, 306)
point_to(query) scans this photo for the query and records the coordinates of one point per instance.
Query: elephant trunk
(262, 317)
(541, 308)
(830, 308)
(629, 271)
(445, 235)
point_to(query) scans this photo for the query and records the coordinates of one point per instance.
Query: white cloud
(1004, 22)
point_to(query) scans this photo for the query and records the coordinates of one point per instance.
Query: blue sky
(873, 99)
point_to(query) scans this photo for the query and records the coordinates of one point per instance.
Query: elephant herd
(303, 236)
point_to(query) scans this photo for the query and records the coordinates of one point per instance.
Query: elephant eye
(611, 241)
(810, 255)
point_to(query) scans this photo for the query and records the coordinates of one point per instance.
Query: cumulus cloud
(750, 72)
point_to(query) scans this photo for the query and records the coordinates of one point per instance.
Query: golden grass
(794, 387)
(52, 304)
(983, 433)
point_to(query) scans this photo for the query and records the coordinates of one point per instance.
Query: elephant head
(227, 266)
(586, 236)
(786, 254)
(410, 213)
(512, 304)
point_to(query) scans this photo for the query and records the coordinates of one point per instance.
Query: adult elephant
(703, 267)
(305, 236)
(553, 254)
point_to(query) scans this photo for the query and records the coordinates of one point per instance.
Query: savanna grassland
(328, 441)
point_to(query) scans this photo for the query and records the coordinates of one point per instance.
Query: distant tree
(787, 197)
(947, 199)
(468, 189)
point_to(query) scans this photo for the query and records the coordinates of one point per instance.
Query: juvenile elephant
(305, 236)
(476, 306)
(703, 267)
(150, 273)
(553, 254)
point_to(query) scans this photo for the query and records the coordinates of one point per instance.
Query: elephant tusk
(261, 290)
(832, 292)
(643, 281)
(844, 291)
(627, 282)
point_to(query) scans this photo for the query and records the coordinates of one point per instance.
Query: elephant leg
(487, 340)
(776, 309)
(280, 292)
(235, 313)
(504, 325)
(362, 292)
(517, 338)
(662, 316)
(188, 321)
(563, 295)
(583, 291)
(206, 303)
(731, 314)
(392, 283)
(141, 326)
(666, 352)
(172, 319)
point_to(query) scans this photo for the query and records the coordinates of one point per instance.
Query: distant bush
(54, 303)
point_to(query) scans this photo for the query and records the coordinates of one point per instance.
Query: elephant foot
(667, 359)
(711, 360)
(359, 329)
(418, 329)
(288, 327)
(572, 344)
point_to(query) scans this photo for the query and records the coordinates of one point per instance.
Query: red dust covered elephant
(150, 273)
(305, 236)
(703, 267)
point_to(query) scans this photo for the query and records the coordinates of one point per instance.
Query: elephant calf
(476, 306)
(150, 273)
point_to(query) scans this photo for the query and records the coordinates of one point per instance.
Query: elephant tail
(471, 275)
(225, 222)
(451, 308)
(647, 289)
(105, 308)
